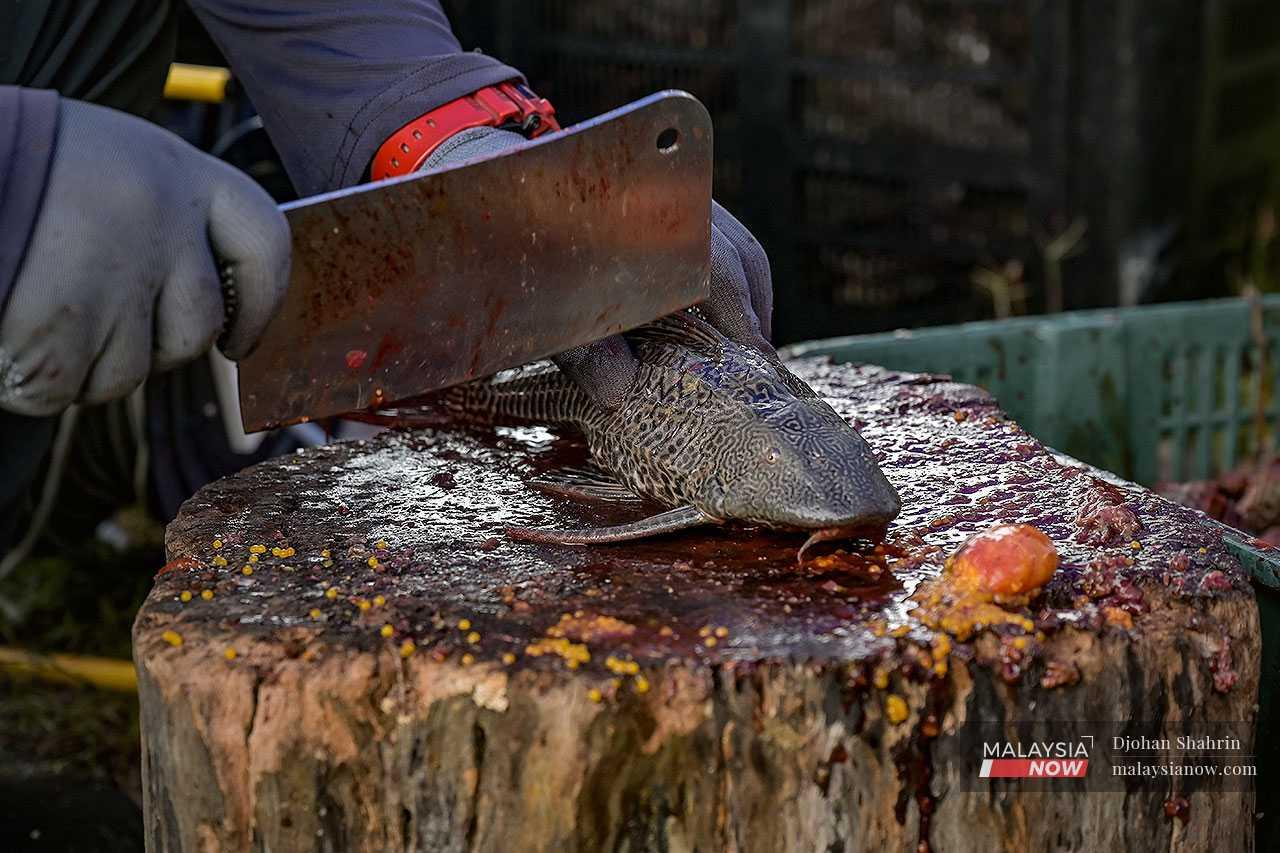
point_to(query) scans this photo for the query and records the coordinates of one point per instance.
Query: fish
(715, 431)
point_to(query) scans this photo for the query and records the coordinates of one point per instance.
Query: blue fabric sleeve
(28, 128)
(332, 79)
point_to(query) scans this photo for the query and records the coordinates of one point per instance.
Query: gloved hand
(121, 273)
(741, 303)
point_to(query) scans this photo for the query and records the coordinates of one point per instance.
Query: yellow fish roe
(206, 594)
(378, 601)
(185, 595)
(704, 631)
(230, 653)
(468, 659)
(257, 549)
(381, 544)
(508, 658)
(220, 561)
(473, 637)
(464, 624)
(325, 553)
(572, 663)
(566, 649)
(253, 558)
(282, 552)
(387, 631)
(373, 562)
(331, 593)
(880, 679)
(315, 613)
(642, 684)
(595, 695)
(173, 638)
(964, 621)
(722, 632)
(246, 570)
(407, 648)
(1135, 545)
(363, 605)
(217, 543)
(895, 708)
(620, 666)
(328, 564)
(709, 642)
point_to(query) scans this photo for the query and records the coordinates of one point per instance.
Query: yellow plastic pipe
(105, 673)
(207, 83)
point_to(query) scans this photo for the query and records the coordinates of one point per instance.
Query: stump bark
(392, 673)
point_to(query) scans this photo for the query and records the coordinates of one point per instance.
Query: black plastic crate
(884, 151)
(1238, 136)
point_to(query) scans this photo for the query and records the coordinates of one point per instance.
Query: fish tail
(543, 398)
(529, 397)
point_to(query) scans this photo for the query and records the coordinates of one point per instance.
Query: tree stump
(389, 671)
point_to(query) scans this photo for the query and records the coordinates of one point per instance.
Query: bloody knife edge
(421, 282)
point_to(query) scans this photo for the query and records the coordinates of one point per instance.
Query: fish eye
(772, 455)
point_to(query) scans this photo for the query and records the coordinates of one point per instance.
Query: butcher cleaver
(413, 284)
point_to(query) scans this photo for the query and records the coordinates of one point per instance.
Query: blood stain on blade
(389, 346)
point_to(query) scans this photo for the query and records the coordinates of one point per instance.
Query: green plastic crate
(1162, 393)
(1154, 393)
(1158, 393)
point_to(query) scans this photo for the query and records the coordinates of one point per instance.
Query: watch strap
(508, 105)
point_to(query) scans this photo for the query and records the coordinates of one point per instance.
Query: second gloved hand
(120, 276)
(741, 303)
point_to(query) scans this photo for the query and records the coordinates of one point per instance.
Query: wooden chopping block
(346, 653)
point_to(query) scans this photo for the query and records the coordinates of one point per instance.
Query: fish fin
(691, 331)
(680, 518)
(682, 328)
(588, 483)
(793, 383)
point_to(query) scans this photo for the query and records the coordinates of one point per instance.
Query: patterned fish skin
(712, 424)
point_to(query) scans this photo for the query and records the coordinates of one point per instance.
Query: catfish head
(799, 465)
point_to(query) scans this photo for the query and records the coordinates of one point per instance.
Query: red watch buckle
(508, 105)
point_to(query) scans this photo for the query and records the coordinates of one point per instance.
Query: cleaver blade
(414, 284)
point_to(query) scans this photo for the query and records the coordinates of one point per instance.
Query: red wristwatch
(510, 106)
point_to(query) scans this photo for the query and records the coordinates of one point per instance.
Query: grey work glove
(121, 274)
(741, 303)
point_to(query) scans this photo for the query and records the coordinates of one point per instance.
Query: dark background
(904, 160)
(916, 162)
